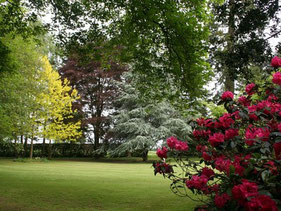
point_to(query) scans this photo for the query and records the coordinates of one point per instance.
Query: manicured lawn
(81, 185)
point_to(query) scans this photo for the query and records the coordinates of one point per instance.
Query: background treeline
(119, 76)
(50, 150)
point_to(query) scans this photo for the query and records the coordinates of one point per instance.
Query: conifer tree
(140, 124)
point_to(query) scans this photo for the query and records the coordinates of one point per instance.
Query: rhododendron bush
(239, 153)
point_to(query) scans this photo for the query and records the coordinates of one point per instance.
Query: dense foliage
(240, 31)
(94, 75)
(139, 124)
(239, 152)
(35, 102)
(161, 39)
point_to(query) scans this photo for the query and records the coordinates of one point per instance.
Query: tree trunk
(25, 146)
(229, 81)
(21, 151)
(43, 147)
(144, 155)
(15, 148)
(229, 71)
(50, 150)
(44, 142)
(96, 138)
(31, 147)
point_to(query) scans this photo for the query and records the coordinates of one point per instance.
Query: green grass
(84, 185)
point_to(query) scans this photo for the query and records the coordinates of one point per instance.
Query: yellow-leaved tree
(56, 107)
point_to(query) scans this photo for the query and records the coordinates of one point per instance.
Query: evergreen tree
(139, 124)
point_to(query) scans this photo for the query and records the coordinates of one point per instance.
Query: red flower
(214, 188)
(216, 139)
(252, 108)
(222, 164)
(244, 101)
(198, 182)
(277, 150)
(163, 168)
(276, 62)
(279, 127)
(250, 136)
(272, 97)
(239, 169)
(181, 146)
(262, 133)
(253, 117)
(271, 166)
(200, 121)
(207, 172)
(254, 133)
(243, 191)
(226, 121)
(206, 156)
(162, 153)
(171, 142)
(221, 200)
(201, 133)
(227, 96)
(249, 88)
(277, 78)
(261, 202)
(209, 123)
(231, 133)
(198, 148)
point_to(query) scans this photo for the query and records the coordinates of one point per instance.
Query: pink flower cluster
(239, 164)
(252, 134)
(221, 200)
(249, 89)
(244, 101)
(249, 190)
(241, 151)
(216, 139)
(261, 202)
(197, 182)
(227, 96)
(162, 153)
(174, 143)
(276, 62)
(243, 191)
(162, 168)
(200, 182)
(277, 78)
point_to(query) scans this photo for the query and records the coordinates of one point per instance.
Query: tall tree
(16, 19)
(165, 40)
(33, 96)
(18, 88)
(239, 36)
(139, 124)
(93, 75)
(55, 105)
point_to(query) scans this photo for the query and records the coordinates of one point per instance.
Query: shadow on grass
(152, 157)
